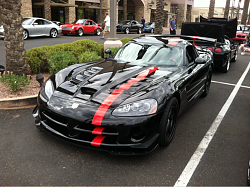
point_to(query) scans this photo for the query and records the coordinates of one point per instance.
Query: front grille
(66, 28)
(76, 129)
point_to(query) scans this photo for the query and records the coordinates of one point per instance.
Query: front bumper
(118, 139)
(71, 31)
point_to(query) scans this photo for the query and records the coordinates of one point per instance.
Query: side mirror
(108, 52)
(200, 60)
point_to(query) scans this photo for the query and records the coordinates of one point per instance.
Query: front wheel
(168, 122)
(235, 56)
(152, 30)
(98, 32)
(25, 34)
(53, 33)
(227, 66)
(139, 31)
(80, 32)
(127, 31)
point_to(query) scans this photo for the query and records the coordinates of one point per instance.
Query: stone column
(26, 9)
(70, 12)
(105, 4)
(189, 13)
(47, 10)
(13, 37)
(139, 13)
(125, 9)
(181, 14)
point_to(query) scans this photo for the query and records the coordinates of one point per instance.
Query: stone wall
(70, 12)
(26, 9)
(181, 14)
(142, 11)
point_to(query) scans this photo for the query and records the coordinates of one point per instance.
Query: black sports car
(225, 51)
(127, 104)
(128, 26)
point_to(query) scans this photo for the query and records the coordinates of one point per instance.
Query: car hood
(230, 26)
(71, 25)
(204, 29)
(92, 85)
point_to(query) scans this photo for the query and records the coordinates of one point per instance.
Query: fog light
(137, 134)
(40, 79)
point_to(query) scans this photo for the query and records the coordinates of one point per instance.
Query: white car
(33, 27)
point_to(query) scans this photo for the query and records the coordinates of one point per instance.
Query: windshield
(243, 28)
(150, 54)
(81, 21)
(150, 23)
(27, 21)
(125, 22)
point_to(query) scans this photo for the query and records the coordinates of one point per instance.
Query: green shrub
(15, 82)
(88, 56)
(38, 57)
(125, 40)
(60, 60)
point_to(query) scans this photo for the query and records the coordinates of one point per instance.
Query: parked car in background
(126, 104)
(128, 26)
(225, 51)
(33, 27)
(58, 23)
(81, 27)
(242, 32)
(150, 27)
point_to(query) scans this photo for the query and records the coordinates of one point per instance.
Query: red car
(242, 32)
(82, 26)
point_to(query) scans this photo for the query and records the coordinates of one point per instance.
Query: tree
(159, 15)
(245, 12)
(211, 9)
(226, 11)
(238, 9)
(13, 36)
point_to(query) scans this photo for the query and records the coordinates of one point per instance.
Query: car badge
(75, 105)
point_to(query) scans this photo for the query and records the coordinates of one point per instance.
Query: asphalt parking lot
(210, 147)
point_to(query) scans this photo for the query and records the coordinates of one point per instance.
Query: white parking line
(188, 171)
(229, 84)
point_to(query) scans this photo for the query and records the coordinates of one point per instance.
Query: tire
(25, 34)
(235, 56)
(207, 84)
(152, 31)
(53, 33)
(126, 31)
(227, 66)
(80, 32)
(139, 31)
(98, 32)
(168, 122)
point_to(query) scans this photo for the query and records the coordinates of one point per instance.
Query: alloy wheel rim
(235, 56)
(98, 32)
(139, 30)
(208, 83)
(228, 63)
(170, 124)
(25, 34)
(127, 30)
(53, 33)
(152, 30)
(80, 32)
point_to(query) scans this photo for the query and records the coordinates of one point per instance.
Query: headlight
(138, 108)
(72, 27)
(47, 91)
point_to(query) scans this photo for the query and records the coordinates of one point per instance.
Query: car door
(133, 26)
(48, 26)
(88, 27)
(196, 73)
(37, 28)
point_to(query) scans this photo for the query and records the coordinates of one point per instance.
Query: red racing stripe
(173, 42)
(97, 141)
(98, 130)
(97, 120)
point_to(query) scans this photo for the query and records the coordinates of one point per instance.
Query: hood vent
(88, 91)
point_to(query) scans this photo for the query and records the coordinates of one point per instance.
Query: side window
(47, 22)
(93, 23)
(39, 22)
(191, 54)
(89, 23)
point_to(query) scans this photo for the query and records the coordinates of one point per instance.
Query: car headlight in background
(47, 91)
(138, 108)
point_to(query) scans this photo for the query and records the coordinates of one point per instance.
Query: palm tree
(13, 36)
(159, 16)
(125, 9)
(244, 14)
(211, 9)
(238, 9)
(226, 11)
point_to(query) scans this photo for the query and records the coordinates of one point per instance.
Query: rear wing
(192, 39)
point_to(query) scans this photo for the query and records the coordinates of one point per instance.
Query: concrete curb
(18, 103)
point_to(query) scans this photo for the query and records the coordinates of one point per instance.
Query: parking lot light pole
(112, 41)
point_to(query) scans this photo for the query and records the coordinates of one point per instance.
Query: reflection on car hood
(70, 25)
(97, 82)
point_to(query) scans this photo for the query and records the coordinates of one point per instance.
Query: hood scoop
(88, 91)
